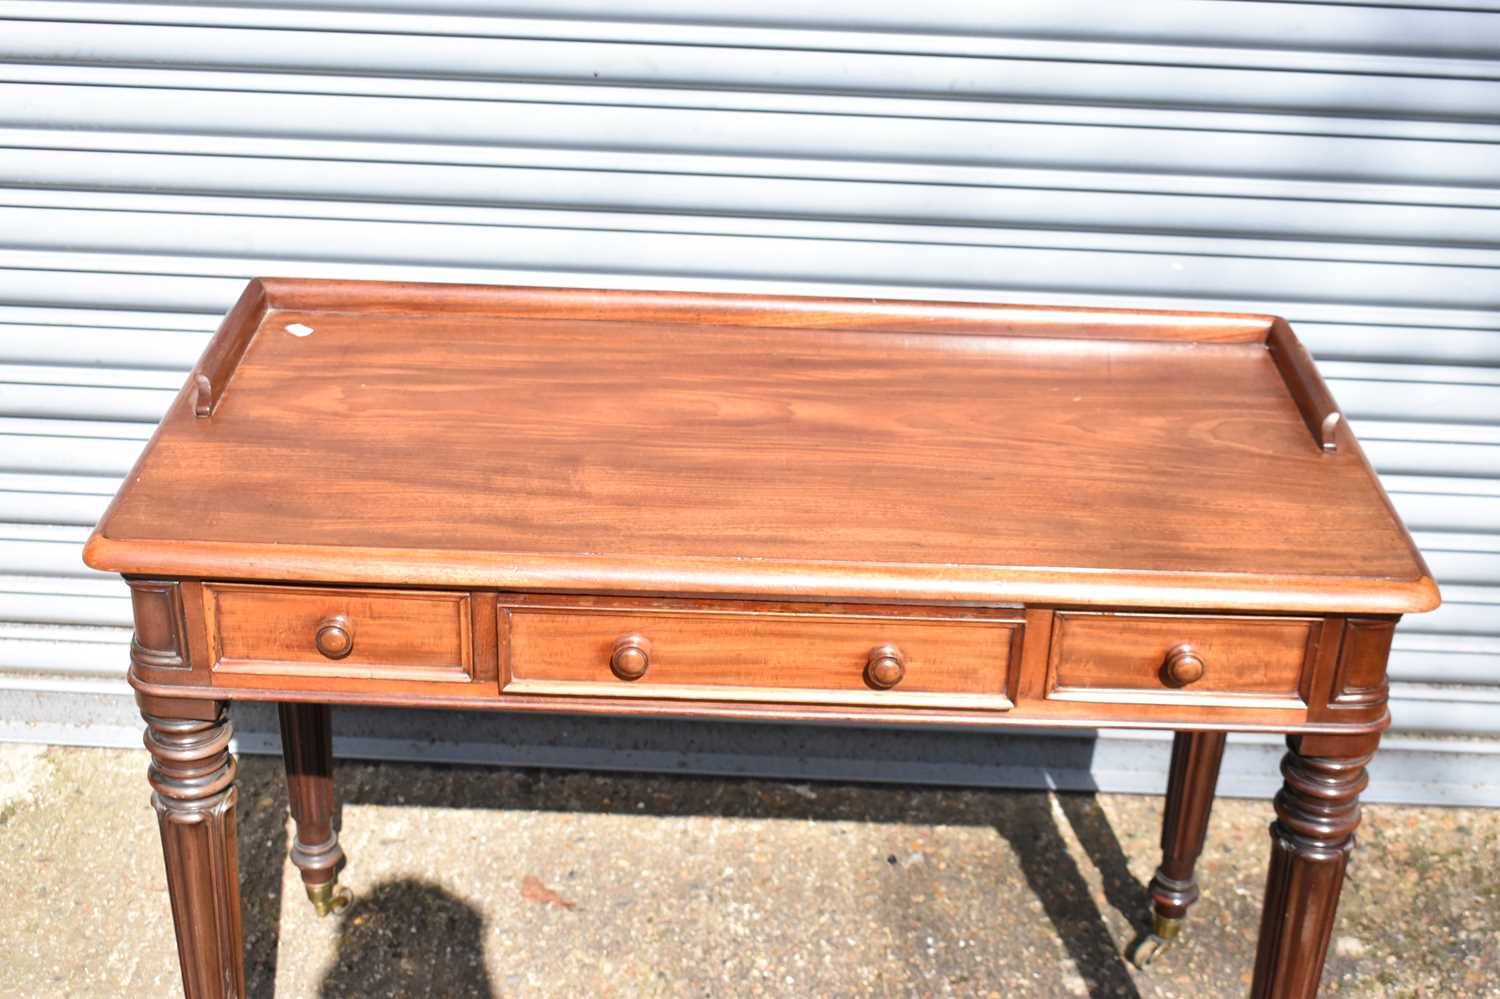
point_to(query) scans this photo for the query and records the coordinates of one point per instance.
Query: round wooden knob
(1184, 665)
(885, 667)
(335, 637)
(631, 656)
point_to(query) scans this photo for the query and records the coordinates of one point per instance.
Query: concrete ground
(482, 882)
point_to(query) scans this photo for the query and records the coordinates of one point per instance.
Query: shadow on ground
(411, 936)
(262, 840)
(407, 938)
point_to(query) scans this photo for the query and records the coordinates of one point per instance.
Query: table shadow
(404, 937)
(1055, 879)
(409, 937)
(1122, 890)
(399, 914)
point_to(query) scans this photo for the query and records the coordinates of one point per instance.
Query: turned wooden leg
(192, 780)
(307, 747)
(1317, 812)
(1184, 826)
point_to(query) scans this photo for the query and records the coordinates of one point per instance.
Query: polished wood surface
(1314, 401)
(1317, 812)
(340, 632)
(697, 505)
(630, 657)
(1167, 657)
(1183, 665)
(1196, 757)
(885, 667)
(398, 676)
(307, 750)
(811, 655)
(211, 375)
(834, 457)
(1360, 680)
(192, 783)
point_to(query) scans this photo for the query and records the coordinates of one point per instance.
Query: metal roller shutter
(1336, 164)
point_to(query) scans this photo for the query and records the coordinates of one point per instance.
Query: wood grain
(694, 505)
(307, 751)
(1099, 656)
(1317, 812)
(1194, 773)
(211, 375)
(395, 633)
(806, 656)
(637, 455)
(1221, 713)
(1314, 401)
(1360, 680)
(192, 777)
(159, 641)
(784, 311)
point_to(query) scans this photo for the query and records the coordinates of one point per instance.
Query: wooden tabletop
(658, 443)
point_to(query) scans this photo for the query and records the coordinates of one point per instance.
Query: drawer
(1158, 658)
(800, 657)
(373, 634)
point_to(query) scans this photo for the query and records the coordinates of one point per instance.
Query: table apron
(764, 659)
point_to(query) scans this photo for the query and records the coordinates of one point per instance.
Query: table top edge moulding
(1319, 570)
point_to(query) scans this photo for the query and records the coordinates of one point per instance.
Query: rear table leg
(1190, 797)
(307, 746)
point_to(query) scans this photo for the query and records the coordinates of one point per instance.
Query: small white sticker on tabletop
(297, 329)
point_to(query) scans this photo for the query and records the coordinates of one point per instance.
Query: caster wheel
(329, 897)
(1152, 945)
(1147, 949)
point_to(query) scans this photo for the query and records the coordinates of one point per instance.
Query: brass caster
(330, 896)
(1163, 935)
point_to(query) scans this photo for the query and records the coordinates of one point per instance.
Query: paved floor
(481, 882)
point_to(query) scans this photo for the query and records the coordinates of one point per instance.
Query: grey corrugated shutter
(1339, 165)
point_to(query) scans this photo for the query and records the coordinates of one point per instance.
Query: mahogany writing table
(603, 502)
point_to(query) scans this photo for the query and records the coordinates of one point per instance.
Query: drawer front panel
(1149, 658)
(376, 634)
(794, 657)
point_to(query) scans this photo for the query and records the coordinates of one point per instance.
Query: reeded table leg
(1317, 812)
(1184, 825)
(307, 747)
(192, 779)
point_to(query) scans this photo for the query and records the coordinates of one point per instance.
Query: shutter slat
(1336, 164)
